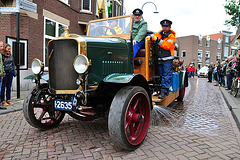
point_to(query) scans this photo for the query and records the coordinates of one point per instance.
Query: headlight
(81, 64)
(37, 66)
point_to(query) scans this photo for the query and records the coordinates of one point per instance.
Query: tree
(232, 9)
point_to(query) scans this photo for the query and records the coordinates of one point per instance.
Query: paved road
(201, 127)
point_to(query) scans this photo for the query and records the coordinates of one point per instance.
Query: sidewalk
(17, 103)
(233, 104)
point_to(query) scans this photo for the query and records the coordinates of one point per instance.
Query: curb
(235, 110)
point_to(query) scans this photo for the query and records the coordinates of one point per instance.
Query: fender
(44, 76)
(118, 81)
(183, 78)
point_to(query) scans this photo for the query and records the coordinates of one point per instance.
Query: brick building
(52, 16)
(201, 51)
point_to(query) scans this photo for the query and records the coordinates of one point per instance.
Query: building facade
(201, 51)
(48, 22)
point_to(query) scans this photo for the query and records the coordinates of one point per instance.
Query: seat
(141, 53)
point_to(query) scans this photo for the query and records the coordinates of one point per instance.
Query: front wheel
(38, 109)
(129, 117)
(234, 87)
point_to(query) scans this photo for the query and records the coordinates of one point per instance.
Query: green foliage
(232, 9)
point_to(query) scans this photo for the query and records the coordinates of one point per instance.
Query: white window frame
(227, 39)
(219, 43)
(182, 53)
(50, 37)
(90, 6)
(200, 51)
(207, 55)
(218, 56)
(226, 51)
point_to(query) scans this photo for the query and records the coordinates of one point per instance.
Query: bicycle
(235, 84)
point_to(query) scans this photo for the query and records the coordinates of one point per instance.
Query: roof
(218, 35)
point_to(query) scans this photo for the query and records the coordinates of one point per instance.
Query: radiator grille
(61, 55)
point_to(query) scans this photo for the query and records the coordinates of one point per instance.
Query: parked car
(96, 76)
(203, 72)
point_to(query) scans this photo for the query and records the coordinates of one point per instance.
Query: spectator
(210, 71)
(228, 73)
(9, 67)
(2, 73)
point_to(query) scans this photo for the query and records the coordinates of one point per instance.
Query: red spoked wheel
(129, 117)
(41, 115)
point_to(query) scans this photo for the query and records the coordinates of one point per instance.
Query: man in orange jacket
(166, 40)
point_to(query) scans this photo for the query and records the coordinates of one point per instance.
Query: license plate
(65, 105)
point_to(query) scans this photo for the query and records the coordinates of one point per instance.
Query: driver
(166, 41)
(113, 28)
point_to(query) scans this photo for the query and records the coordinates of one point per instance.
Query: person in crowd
(113, 28)
(9, 68)
(221, 75)
(210, 72)
(228, 73)
(193, 71)
(217, 73)
(166, 41)
(2, 72)
(139, 31)
(189, 70)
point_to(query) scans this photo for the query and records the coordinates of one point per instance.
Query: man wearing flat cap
(166, 41)
(138, 31)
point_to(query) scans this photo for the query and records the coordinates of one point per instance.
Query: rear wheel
(38, 109)
(129, 117)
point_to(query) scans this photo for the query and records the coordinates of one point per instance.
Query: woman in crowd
(9, 67)
(2, 73)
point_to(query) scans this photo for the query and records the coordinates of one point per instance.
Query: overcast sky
(189, 17)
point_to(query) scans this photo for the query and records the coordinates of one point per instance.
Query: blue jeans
(136, 47)
(165, 70)
(229, 81)
(7, 84)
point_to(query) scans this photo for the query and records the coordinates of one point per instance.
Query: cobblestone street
(201, 127)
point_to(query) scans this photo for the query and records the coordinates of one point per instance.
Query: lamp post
(153, 4)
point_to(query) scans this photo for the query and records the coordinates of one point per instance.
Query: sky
(189, 17)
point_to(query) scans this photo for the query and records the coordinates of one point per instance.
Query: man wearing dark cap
(166, 41)
(139, 31)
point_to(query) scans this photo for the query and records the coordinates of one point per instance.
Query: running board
(167, 100)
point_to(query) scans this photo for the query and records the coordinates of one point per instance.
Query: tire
(235, 89)
(39, 116)
(182, 93)
(129, 117)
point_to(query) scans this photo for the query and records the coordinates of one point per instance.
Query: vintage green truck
(96, 76)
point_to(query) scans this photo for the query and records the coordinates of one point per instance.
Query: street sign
(29, 6)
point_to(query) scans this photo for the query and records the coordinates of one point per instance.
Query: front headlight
(81, 64)
(37, 66)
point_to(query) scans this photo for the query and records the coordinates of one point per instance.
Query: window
(199, 55)
(208, 41)
(207, 57)
(219, 44)
(86, 5)
(110, 8)
(53, 30)
(200, 40)
(226, 49)
(184, 54)
(227, 39)
(218, 56)
(65, 1)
